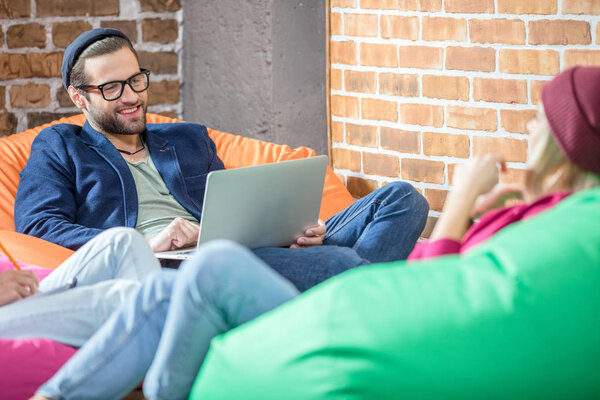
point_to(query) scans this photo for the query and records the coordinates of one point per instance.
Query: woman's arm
(472, 179)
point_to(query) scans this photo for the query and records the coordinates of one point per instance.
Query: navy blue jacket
(76, 184)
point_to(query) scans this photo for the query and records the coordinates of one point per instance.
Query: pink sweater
(6, 264)
(487, 226)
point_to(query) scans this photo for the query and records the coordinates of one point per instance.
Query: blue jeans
(164, 330)
(108, 269)
(382, 226)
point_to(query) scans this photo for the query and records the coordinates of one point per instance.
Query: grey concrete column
(257, 68)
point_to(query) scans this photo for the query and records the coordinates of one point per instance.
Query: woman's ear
(78, 98)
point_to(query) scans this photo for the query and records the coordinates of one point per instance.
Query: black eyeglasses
(114, 89)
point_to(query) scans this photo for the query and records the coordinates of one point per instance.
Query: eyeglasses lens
(138, 82)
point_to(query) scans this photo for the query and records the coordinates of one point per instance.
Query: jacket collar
(154, 141)
(93, 138)
(111, 155)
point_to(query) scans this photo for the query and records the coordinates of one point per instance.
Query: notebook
(260, 206)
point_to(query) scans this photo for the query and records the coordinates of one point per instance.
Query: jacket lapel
(110, 154)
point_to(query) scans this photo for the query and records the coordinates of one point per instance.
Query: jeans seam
(95, 254)
(117, 346)
(50, 313)
(228, 290)
(366, 229)
(354, 216)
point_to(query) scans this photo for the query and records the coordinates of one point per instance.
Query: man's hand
(180, 233)
(313, 236)
(16, 285)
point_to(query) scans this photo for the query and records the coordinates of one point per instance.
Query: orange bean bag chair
(235, 151)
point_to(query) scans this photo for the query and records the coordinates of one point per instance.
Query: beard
(109, 122)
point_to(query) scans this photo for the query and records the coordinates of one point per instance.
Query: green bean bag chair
(517, 317)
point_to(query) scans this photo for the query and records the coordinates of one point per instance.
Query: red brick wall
(418, 86)
(34, 34)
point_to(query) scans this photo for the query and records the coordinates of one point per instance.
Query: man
(118, 171)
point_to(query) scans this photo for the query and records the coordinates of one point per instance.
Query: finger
(36, 281)
(493, 163)
(178, 240)
(173, 224)
(316, 231)
(162, 241)
(170, 236)
(167, 236)
(9, 297)
(182, 240)
(509, 188)
(515, 187)
(22, 291)
(27, 278)
(497, 158)
(178, 221)
(190, 229)
(33, 286)
(189, 234)
(310, 241)
(186, 227)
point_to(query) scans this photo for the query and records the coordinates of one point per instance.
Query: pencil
(10, 257)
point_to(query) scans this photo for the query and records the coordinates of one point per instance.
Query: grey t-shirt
(156, 205)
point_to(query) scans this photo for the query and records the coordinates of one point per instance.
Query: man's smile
(129, 111)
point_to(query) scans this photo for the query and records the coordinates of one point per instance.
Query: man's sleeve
(214, 162)
(45, 204)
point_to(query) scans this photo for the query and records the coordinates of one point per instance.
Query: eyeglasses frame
(123, 83)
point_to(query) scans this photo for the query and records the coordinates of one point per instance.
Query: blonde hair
(550, 170)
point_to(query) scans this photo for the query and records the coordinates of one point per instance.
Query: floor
(137, 394)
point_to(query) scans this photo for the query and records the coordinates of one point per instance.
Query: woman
(164, 331)
(563, 157)
(102, 274)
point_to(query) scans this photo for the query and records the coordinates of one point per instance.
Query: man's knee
(405, 195)
(399, 189)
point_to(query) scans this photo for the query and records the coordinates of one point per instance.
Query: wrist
(455, 218)
(465, 193)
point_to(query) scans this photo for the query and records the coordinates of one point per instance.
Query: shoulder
(177, 133)
(58, 144)
(63, 133)
(183, 128)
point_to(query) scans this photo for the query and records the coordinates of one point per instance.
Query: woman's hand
(16, 285)
(479, 175)
(496, 198)
(472, 179)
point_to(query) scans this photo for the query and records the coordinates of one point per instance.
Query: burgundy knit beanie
(572, 105)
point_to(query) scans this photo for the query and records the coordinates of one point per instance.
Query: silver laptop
(260, 206)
